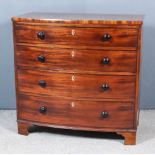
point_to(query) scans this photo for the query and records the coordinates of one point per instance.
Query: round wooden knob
(42, 83)
(105, 87)
(41, 35)
(43, 110)
(105, 61)
(106, 37)
(104, 114)
(41, 58)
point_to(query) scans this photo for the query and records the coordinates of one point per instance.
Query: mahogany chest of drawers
(78, 72)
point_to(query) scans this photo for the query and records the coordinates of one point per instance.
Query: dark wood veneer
(75, 59)
(76, 113)
(75, 37)
(75, 85)
(78, 72)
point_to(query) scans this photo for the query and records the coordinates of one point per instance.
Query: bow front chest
(78, 72)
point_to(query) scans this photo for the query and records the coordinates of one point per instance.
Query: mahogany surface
(76, 60)
(96, 19)
(76, 85)
(84, 37)
(78, 72)
(71, 112)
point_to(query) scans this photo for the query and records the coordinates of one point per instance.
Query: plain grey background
(9, 8)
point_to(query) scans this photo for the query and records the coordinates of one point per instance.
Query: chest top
(68, 18)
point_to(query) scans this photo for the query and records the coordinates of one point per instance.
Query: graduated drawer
(77, 37)
(76, 85)
(77, 60)
(78, 113)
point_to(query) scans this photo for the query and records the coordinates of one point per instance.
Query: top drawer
(120, 38)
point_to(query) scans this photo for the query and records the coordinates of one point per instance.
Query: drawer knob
(42, 83)
(104, 114)
(41, 35)
(42, 110)
(106, 37)
(41, 58)
(105, 61)
(105, 87)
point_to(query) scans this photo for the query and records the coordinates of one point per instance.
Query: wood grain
(73, 74)
(80, 19)
(76, 113)
(129, 137)
(76, 60)
(75, 85)
(86, 37)
(23, 128)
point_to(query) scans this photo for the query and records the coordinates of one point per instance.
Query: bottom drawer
(58, 111)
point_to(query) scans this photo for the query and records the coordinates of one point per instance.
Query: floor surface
(47, 140)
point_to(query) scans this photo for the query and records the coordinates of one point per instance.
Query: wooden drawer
(76, 85)
(78, 37)
(77, 60)
(76, 113)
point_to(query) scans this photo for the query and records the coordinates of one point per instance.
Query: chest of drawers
(78, 72)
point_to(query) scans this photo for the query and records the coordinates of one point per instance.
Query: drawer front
(67, 37)
(76, 113)
(77, 60)
(76, 85)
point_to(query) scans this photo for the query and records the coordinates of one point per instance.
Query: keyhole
(72, 104)
(73, 32)
(73, 77)
(73, 53)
